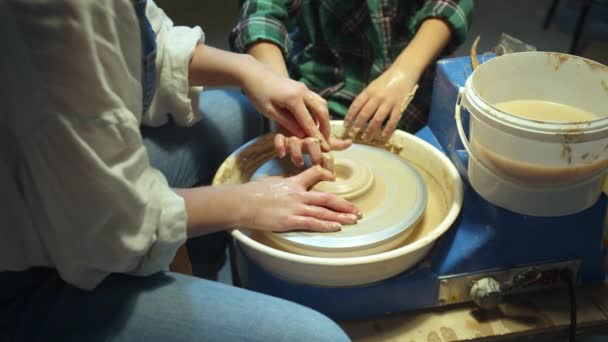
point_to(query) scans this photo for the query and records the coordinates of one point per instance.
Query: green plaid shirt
(338, 47)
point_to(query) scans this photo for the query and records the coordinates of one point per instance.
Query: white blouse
(78, 191)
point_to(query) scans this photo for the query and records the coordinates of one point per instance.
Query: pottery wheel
(389, 191)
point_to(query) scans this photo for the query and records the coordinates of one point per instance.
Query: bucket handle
(463, 138)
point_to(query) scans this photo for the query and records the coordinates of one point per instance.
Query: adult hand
(283, 204)
(296, 148)
(289, 103)
(386, 97)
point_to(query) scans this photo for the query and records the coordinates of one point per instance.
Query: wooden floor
(536, 317)
(539, 317)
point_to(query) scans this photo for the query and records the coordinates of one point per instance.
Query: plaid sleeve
(457, 13)
(262, 20)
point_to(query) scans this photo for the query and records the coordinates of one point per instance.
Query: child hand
(386, 97)
(296, 147)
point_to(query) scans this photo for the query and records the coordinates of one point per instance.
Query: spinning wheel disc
(389, 191)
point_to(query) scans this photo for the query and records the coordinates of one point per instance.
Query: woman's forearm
(214, 67)
(270, 55)
(210, 209)
(432, 37)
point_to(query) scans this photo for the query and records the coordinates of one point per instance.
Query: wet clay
(240, 168)
(545, 111)
(556, 59)
(353, 180)
(535, 174)
(435, 211)
(436, 207)
(356, 181)
(389, 192)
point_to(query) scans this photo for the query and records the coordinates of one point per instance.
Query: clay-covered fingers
(307, 179)
(284, 119)
(375, 124)
(325, 214)
(296, 222)
(364, 116)
(331, 202)
(354, 109)
(339, 144)
(321, 211)
(327, 162)
(312, 146)
(280, 145)
(392, 123)
(296, 148)
(320, 112)
(298, 106)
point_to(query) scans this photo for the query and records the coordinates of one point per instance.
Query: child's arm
(269, 54)
(385, 96)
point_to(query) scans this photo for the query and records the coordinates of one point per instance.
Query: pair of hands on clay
(300, 112)
(292, 205)
(286, 143)
(384, 100)
(303, 128)
(283, 204)
(295, 147)
(302, 117)
(274, 204)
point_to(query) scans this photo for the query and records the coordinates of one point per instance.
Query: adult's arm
(74, 107)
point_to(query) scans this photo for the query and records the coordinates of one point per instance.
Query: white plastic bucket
(535, 167)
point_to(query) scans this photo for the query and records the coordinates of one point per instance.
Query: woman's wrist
(213, 208)
(241, 206)
(250, 71)
(247, 70)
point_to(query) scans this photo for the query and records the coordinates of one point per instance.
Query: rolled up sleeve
(95, 204)
(457, 13)
(104, 209)
(262, 21)
(175, 48)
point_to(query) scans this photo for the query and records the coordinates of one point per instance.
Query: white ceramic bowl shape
(445, 193)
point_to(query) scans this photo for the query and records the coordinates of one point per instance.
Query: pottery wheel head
(352, 179)
(389, 191)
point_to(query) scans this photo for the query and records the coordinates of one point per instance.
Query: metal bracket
(456, 288)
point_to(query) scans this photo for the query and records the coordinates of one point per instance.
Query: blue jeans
(38, 305)
(189, 156)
